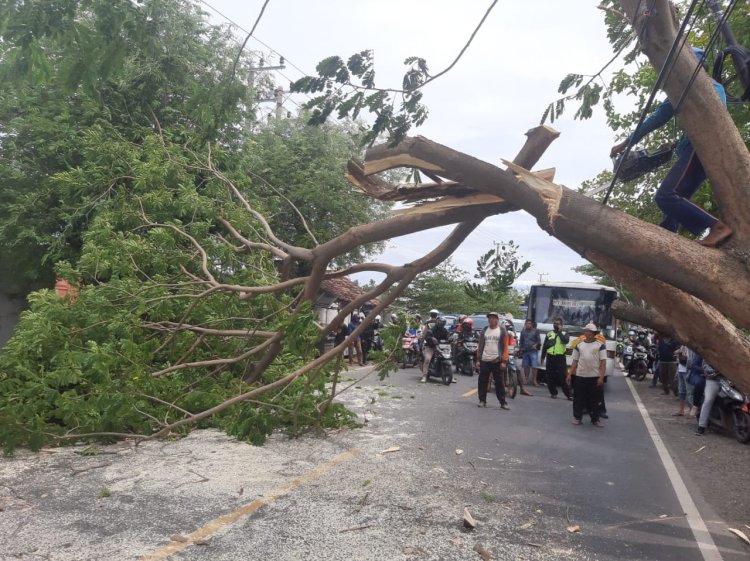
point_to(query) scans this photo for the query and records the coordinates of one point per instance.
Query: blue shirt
(662, 116)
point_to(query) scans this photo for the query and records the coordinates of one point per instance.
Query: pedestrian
(589, 366)
(530, 343)
(599, 389)
(667, 351)
(511, 342)
(684, 179)
(709, 395)
(555, 345)
(683, 356)
(698, 381)
(492, 358)
(355, 345)
(368, 338)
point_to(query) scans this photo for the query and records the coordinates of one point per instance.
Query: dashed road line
(210, 528)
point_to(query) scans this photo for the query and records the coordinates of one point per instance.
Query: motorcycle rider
(432, 336)
(464, 332)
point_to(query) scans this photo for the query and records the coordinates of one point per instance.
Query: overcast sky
(482, 107)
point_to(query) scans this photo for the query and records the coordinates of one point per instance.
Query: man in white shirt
(492, 358)
(589, 366)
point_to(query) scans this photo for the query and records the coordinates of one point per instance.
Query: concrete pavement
(526, 475)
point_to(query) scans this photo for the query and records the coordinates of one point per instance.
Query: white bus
(577, 303)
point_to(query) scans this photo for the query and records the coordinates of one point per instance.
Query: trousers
(556, 372)
(674, 194)
(586, 396)
(498, 376)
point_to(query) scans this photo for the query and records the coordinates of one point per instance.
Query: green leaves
(350, 88)
(497, 270)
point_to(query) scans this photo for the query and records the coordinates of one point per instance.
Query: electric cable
(659, 79)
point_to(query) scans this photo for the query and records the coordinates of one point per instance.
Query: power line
(238, 26)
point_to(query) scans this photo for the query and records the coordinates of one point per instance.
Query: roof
(345, 290)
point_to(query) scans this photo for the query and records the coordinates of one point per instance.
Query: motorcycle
(410, 346)
(731, 411)
(627, 354)
(512, 372)
(466, 352)
(638, 365)
(377, 341)
(441, 365)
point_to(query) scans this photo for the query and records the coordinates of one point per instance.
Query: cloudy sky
(482, 107)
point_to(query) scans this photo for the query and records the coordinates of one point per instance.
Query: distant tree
(497, 270)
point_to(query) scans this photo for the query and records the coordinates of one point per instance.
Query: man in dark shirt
(668, 349)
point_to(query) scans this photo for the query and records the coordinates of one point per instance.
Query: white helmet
(434, 312)
(377, 317)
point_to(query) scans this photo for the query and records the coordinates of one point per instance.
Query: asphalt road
(394, 489)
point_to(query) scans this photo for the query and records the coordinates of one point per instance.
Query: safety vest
(558, 348)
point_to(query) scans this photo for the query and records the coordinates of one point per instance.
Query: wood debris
(483, 553)
(469, 521)
(740, 534)
(574, 529)
(391, 449)
(179, 538)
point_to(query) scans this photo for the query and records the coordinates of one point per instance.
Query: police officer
(554, 347)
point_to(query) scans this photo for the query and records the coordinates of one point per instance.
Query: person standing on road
(492, 358)
(589, 366)
(668, 349)
(530, 343)
(554, 346)
(709, 395)
(511, 342)
(683, 358)
(355, 345)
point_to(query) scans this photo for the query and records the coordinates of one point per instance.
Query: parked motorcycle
(511, 374)
(466, 353)
(731, 411)
(441, 365)
(410, 345)
(638, 365)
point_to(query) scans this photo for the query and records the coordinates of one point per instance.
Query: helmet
(417, 317)
(440, 321)
(394, 318)
(461, 318)
(509, 325)
(434, 312)
(631, 333)
(377, 317)
(361, 315)
(468, 321)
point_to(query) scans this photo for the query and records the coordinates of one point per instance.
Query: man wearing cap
(492, 357)
(553, 350)
(589, 366)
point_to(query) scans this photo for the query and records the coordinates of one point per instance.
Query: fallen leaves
(526, 526)
(574, 529)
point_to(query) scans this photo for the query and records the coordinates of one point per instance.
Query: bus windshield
(576, 306)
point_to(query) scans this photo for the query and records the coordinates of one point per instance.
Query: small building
(335, 295)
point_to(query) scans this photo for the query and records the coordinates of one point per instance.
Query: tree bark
(716, 276)
(698, 325)
(703, 117)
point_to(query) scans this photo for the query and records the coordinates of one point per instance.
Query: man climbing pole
(684, 179)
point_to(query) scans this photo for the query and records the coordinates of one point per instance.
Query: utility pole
(543, 277)
(279, 95)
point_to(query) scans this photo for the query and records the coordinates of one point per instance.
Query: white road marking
(702, 536)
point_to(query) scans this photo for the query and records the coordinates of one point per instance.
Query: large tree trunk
(702, 115)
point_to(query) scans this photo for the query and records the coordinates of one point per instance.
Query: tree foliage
(497, 270)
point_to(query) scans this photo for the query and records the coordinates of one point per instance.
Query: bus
(577, 303)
